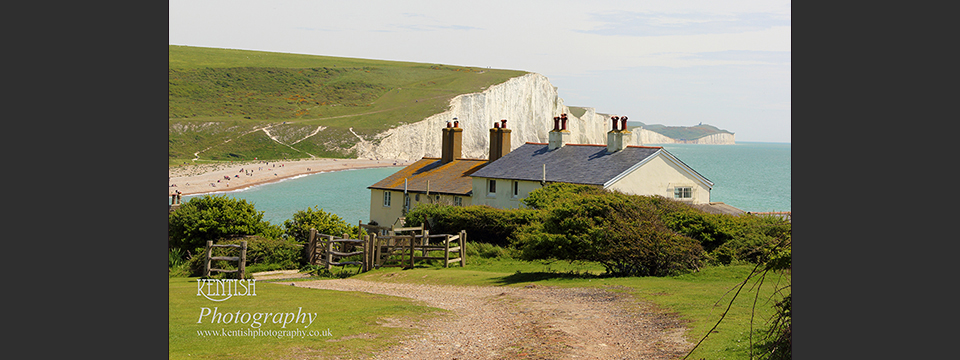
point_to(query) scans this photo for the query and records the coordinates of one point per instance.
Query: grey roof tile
(572, 163)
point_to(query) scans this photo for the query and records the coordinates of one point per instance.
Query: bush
(263, 254)
(482, 223)
(298, 228)
(624, 233)
(487, 251)
(282, 254)
(213, 218)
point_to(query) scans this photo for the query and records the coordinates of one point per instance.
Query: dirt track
(533, 322)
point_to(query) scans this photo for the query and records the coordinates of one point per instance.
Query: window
(386, 198)
(492, 187)
(682, 192)
(457, 201)
(406, 201)
(516, 189)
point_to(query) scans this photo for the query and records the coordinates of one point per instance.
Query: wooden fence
(400, 247)
(241, 260)
(328, 250)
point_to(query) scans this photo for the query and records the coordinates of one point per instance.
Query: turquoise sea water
(343, 193)
(748, 176)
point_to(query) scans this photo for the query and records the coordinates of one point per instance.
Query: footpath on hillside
(534, 322)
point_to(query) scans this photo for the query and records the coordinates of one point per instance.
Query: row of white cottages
(507, 177)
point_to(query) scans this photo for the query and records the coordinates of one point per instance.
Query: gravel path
(533, 322)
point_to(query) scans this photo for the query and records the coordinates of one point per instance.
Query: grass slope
(673, 132)
(221, 94)
(685, 132)
(351, 317)
(698, 299)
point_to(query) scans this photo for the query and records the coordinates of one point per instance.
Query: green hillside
(673, 132)
(685, 132)
(679, 132)
(221, 99)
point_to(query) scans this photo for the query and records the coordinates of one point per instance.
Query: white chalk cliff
(528, 103)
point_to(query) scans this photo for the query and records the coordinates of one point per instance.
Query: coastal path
(534, 322)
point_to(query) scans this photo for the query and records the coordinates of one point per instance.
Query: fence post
(446, 251)
(243, 258)
(328, 257)
(463, 248)
(366, 253)
(413, 238)
(375, 242)
(426, 240)
(312, 246)
(206, 267)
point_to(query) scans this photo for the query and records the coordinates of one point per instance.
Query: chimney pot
(615, 118)
(503, 123)
(496, 125)
(563, 119)
(556, 123)
(623, 123)
(448, 124)
(456, 124)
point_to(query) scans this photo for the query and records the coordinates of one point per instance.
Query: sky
(678, 63)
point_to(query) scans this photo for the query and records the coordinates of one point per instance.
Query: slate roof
(450, 178)
(572, 163)
(719, 208)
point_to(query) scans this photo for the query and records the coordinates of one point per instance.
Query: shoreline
(193, 179)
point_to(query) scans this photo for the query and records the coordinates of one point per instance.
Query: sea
(751, 176)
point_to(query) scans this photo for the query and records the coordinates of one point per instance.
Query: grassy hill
(221, 99)
(673, 132)
(680, 132)
(685, 132)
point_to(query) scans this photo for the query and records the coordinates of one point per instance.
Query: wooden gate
(241, 260)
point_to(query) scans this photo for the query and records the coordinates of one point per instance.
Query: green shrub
(263, 254)
(213, 218)
(298, 228)
(482, 223)
(282, 254)
(624, 233)
(487, 251)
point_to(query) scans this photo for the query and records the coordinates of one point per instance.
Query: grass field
(351, 318)
(220, 94)
(698, 298)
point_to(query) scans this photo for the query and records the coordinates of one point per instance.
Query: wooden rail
(241, 260)
(401, 250)
(327, 250)
(390, 250)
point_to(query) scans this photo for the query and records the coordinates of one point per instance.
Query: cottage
(507, 177)
(444, 180)
(637, 170)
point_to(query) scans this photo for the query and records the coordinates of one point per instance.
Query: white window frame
(680, 191)
(386, 199)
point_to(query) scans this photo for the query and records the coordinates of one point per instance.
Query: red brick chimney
(559, 135)
(618, 138)
(451, 142)
(499, 140)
